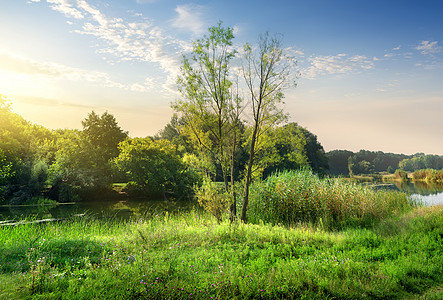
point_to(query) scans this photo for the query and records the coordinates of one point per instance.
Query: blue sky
(371, 71)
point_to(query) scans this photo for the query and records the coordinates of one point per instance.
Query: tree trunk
(233, 208)
(249, 175)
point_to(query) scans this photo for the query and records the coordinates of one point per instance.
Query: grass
(190, 256)
(289, 198)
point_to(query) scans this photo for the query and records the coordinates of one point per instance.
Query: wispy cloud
(428, 47)
(189, 18)
(56, 71)
(66, 7)
(127, 40)
(387, 86)
(336, 64)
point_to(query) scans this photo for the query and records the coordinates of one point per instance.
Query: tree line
(74, 165)
(344, 162)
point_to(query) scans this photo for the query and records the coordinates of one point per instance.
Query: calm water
(104, 209)
(428, 194)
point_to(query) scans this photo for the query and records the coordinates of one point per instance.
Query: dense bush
(302, 197)
(401, 175)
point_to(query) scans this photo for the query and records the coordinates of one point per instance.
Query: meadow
(189, 255)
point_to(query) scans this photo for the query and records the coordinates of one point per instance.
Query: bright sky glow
(371, 71)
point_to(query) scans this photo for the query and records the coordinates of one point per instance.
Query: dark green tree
(155, 168)
(104, 134)
(297, 147)
(338, 162)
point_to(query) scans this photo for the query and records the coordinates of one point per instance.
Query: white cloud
(66, 8)
(131, 40)
(336, 64)
(428, 47)
(55, 71)
(189, 18)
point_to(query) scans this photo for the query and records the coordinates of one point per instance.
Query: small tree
(213, 198)
(209, 107)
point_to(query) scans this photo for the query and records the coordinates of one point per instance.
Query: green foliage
(5, 171)
(338, 162)
(297, 147)
(361, 167)
(104, 135)
(212, 196)
(401, 175)
(420, 162)
(155, 167)
(429, 175)
(171, 132)
(342, 162)
(290, 198)
(189, 255)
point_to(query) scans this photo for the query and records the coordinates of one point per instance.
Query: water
(429, 200)
(426, 193)
(104, 209)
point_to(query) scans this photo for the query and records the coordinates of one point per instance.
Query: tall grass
(293, 197)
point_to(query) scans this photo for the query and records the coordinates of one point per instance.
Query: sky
(371, 72)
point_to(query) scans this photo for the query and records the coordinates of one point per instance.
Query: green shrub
(401, 175)
(213, 197)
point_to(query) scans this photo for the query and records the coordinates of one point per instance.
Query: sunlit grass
(189, 255)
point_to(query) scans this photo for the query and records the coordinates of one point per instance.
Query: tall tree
(104, 134)
(267, 73)
(208, 102)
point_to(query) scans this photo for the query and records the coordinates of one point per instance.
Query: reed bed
(294, 197)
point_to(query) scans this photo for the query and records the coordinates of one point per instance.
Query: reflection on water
(104, 209)
(422, 191)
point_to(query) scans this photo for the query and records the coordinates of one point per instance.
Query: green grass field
(190, 256)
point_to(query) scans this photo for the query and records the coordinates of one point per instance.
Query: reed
(289, 198)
